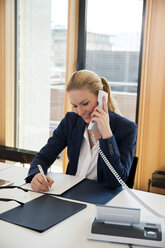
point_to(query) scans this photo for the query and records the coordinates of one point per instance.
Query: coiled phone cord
(114, 172)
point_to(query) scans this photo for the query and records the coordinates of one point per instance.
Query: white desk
(4, 166)
(71, 232)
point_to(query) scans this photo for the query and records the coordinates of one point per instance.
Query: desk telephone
(150, 234)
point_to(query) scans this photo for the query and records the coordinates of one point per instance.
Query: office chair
(131, 177)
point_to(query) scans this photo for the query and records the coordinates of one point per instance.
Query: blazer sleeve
(48, 154)
(119, 150)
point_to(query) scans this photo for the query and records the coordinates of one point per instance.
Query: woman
(116, 136)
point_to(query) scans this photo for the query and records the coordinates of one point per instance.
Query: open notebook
(62, 182)
(79, 188)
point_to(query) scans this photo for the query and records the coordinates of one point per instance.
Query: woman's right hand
(38, 183)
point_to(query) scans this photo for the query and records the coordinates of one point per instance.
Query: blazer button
(112, 152)
(111, 149)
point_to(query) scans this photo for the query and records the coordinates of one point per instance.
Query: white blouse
(87, 163)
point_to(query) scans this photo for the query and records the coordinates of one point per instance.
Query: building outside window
(40, 82)
(113, 42)
(40, 70)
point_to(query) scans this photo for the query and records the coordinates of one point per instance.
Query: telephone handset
(101, 93)
(122, 183)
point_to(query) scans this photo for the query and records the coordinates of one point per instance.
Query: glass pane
(41, 46)
(113, 46)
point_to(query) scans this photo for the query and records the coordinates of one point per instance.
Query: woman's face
(83, 102)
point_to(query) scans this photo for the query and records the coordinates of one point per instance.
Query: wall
(151, 125)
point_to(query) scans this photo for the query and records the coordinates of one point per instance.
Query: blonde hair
(91, 81)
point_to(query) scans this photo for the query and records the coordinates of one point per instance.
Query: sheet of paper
(4, 183)
(62, 182)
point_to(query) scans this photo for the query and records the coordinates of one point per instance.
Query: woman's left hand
(101, 116)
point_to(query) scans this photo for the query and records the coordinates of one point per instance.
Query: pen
(42, 172)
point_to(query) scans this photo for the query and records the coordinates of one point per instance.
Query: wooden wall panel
(7, 72)
(2, 71)
(151, 125)
(10, 72)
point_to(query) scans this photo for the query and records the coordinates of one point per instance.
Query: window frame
(81, 59)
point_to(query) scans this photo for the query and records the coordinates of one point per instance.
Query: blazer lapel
(77, 137)
(112, 120)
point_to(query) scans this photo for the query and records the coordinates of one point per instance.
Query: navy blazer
(119, 149)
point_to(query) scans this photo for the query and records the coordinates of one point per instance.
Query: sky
(104, 16)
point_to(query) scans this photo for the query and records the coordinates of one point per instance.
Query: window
(113, 42)
(40, 68)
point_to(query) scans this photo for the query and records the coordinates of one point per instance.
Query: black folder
(42, 213)
(92, 192)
